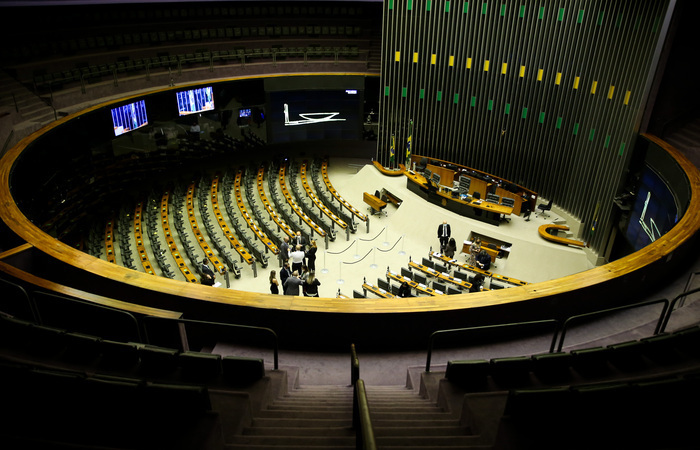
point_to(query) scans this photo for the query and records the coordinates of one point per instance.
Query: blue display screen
(195, 100)
(654, 211)
(129, 117)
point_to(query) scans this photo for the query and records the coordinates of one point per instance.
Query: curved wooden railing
(545, 232)
(576, 290)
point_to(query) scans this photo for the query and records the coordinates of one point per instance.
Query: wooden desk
(545, 229)
(295, 207)
(237, 186)
(442, 276)
(376, 290)
(375, 203)
(319, 204)
(337, 196)
(172, 246)
(447, 176)
(417, 286)
(483, 210)
(483, 182)
(391, 198)
(109, 241)
(475, 269)
(235, 243)
(281, 224)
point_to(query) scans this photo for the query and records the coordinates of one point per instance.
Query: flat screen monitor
(129, 117)
(436, 178)
(244, 112)
(194, 101)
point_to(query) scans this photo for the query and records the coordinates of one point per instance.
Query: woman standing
(311, 285)
(274, 284)
(311, 256)
(474, 250)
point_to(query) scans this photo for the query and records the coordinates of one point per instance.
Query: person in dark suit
(208, 277)
(443, 233)
(292, 284)
(299, 240)
(483, 260)
(284, 249)
(285, 272)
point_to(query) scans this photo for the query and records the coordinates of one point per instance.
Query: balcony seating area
(147, 39)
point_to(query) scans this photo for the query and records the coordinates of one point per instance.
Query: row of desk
(281, 224)
(138, 235)
(109, 241)
(267, 242)
(336, 195)
(170, 241)
(240, 249)
(470, 268)
(319, 204)
(198, 233)
(295, 207)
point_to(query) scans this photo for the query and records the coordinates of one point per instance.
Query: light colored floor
(409, 231)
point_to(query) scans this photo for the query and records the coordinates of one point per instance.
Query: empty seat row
(25, 340)
(668, 351)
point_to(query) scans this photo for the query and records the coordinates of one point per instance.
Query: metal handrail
(612, 310)
(364, 438)
(361, 419)
(269, 331)
(354, 365)
(437, 333)
(679, 299)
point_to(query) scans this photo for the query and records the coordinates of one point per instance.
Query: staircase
(403, 419)
(305, 417)
(321, 417)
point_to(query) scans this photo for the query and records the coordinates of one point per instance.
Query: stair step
(414, 423)
(297, 431)
(309, 407)
(421, 431)
(306, 414)
(327, 441)
(289, 422)
(290, 447)
(411, 415)
(405, 408)
(431, 441)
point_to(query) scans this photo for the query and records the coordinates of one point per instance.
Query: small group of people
(448, 245)
(302, 273)
(478, 257)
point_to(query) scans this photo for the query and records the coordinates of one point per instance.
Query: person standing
(291, 285)
(208, 277)
(311, 285)
(474, 250)
(285, 272)
(311, 256)
(477, 283)
(443, 233)
(284, 250)
(451, 248)
(274, 284)
(299, 240)
(297, 258)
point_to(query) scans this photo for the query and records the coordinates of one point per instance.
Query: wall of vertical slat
(545, 93)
